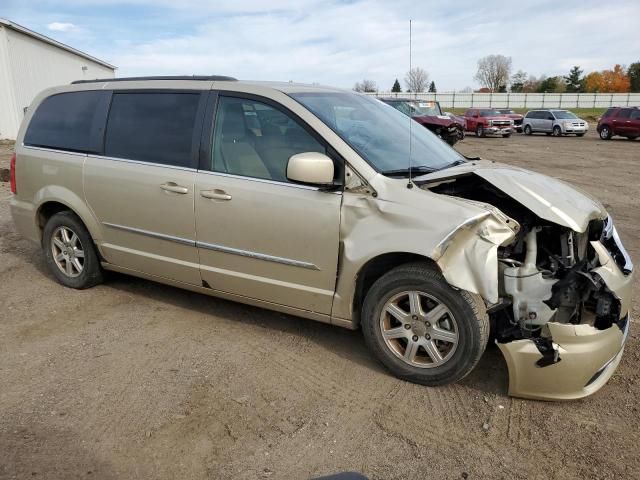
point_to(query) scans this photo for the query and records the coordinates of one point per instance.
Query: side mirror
(310, 167)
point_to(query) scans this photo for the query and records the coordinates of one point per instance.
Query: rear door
(259, 235)
(622, 122)
(141, 189)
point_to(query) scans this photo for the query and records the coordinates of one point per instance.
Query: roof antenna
(410, 185)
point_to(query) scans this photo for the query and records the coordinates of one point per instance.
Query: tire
(557, 131)
(70, 252)
(461, 317)
(527, 130)
(480, 131)
(605, 132)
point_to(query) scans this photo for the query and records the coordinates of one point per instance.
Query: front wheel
(70, 253)
(421, 328)
(527, 130)
(557, 131)
(605, 133)
(480, 131)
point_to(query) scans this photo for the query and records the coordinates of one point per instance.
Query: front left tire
(422, 329)
(70, 252)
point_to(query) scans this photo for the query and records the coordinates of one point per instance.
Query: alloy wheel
(67, 251)
(419, 329)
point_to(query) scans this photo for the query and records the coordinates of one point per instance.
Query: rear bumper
(24, 218)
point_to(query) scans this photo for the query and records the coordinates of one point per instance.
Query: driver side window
(254, 139)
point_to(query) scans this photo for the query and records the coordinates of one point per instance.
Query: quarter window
(153, 127)
(254, 139)
(635, 114)
(69, 121)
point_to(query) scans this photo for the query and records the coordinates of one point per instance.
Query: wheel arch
(55, 199)
(376, 267)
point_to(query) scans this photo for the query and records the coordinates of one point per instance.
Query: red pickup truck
(487, 121)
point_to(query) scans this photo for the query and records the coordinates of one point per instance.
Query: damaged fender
(468, 256)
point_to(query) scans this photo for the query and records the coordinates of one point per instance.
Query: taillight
(12, 174)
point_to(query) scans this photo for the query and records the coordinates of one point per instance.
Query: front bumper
(575, 129)
(584, 357)
(498, 130)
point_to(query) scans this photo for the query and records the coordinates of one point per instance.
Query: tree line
(494, 75)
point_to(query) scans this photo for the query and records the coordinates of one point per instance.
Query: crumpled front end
(559, 298)
(573, 329)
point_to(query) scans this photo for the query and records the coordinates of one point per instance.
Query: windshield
(379, 132)
(507, 111)
(418, 109)
(490, 113)
(563, 114)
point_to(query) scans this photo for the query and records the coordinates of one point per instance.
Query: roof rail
(220, 78)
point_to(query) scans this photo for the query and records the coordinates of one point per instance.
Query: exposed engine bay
(548, 275)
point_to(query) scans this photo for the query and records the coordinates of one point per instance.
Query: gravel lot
(138, 380)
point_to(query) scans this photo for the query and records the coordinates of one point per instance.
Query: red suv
(485, 121)
(622, 121)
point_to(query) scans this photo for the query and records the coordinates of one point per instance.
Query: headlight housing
(612, 242)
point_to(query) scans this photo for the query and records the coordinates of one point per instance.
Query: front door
(259, 235)
(142, 189)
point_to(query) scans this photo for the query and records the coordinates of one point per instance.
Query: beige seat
(237, 153)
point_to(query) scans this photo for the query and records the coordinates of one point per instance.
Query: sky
(338, 42)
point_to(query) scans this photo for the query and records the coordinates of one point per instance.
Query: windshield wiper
(404, 172)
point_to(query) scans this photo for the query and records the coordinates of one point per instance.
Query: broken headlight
(612, 242)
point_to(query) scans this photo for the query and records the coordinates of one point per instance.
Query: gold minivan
(328, 205)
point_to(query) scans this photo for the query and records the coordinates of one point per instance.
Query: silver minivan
(326, 204)
(554, 122)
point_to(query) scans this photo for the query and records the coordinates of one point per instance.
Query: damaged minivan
(327, 204)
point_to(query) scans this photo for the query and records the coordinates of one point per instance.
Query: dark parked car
(429, 115)
(622, 121)
(516, 117)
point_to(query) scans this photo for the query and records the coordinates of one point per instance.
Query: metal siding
(33, 65)
(7, 106)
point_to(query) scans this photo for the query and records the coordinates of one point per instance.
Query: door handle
(215, 194)
(174, 188)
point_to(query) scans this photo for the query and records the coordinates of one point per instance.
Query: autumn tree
(574, 81)
(367, 86)
(493, 71)
(532, 84)
(396, 87)
(633, 72)
(593, 82)
(616, 80)
(416, 80)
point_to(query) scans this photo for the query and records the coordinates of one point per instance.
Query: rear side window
(69, 121)
(153, 127)
(624, 113)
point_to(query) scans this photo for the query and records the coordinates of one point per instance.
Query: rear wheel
(480, 131)
(605, 132)
(70, 253)
(421, 328)
(527, 130)
(557, 131)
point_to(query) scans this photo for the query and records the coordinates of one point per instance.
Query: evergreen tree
(396, 87)
(432, 87)
(634, 76)
(575, 80)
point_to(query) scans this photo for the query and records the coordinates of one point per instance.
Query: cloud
(340, 42)
(61, 27)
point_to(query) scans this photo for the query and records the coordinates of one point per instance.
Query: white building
(29, 63)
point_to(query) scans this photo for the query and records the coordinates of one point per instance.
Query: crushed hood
(547, 197)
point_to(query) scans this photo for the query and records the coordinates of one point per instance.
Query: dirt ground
(133, 379)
